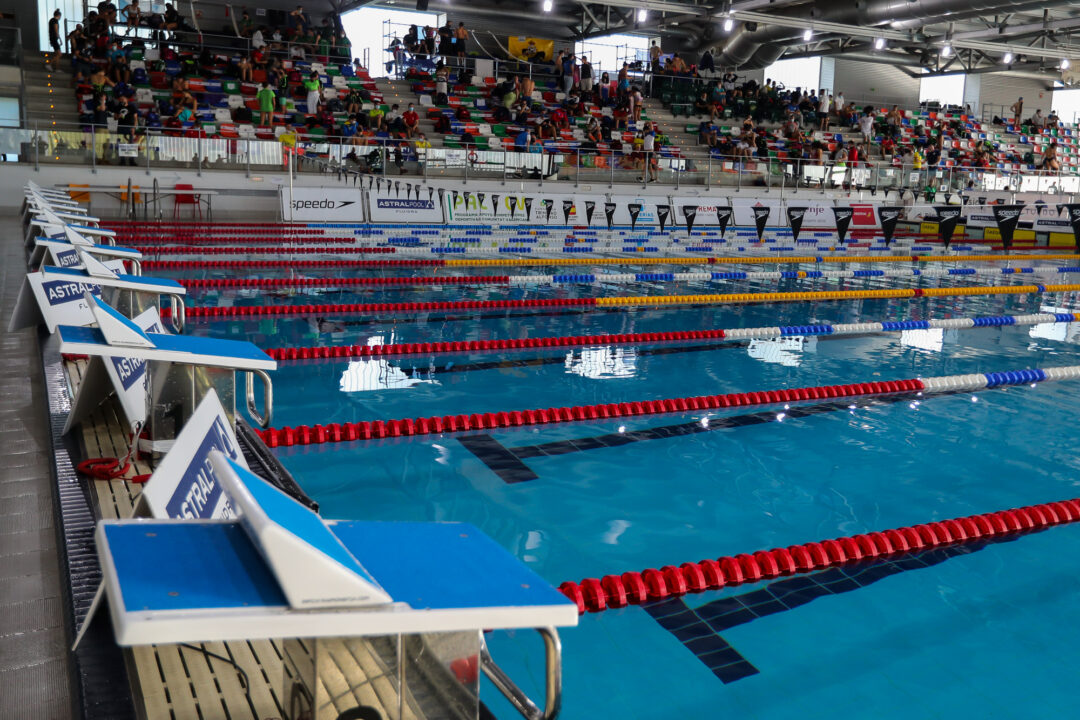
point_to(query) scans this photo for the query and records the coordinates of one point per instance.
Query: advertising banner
(323, 204)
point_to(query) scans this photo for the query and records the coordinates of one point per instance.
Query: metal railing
(348, 157)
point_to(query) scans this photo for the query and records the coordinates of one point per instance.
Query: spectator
(866, 126)
(411, 122)
(1038, 119)
(523, 140)
(461, 35)
(654, 58)
(568, 67)
(267, 100)
(127, 120)
(1017, 110)
(54, 40)
(1050, 159)
(586, 75)
(314, 88)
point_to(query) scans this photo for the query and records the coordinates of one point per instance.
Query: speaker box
(421, 5)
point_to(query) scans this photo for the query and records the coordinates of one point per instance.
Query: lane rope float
(614, 302)
(759, 333)
(375, 429)
(593, 279)
(633, 588)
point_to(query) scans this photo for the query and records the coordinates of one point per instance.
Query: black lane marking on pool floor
(507, 462)
(698, 629)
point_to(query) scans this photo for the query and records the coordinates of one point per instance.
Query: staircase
(50, 100)
(400, 92)
(673, 127)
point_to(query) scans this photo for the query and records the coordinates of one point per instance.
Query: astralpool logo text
(129, 370)
(386, 204)
(61, 291)
(323, 204)
(198, 493)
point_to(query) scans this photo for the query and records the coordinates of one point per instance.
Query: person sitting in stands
(702, 105)
(411, 122)
(522, 140)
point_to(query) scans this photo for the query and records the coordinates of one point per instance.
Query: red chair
(193, 199)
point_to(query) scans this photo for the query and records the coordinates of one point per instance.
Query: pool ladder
(517, 696)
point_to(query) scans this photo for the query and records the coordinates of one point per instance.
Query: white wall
(1002, 90)
(875, 83)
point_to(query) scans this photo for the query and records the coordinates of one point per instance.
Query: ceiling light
(728, 24)
(1008, 58)
(642, 14)
(547, 5)
(1064, 63)
(807, 35)
(879, 43)
(946, 51)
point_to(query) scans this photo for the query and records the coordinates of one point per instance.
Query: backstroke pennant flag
(843, 217)
(888, 217)
(795, 217)
(635, 210)
(689, 214)
(948, 217)
(1007, 217)
(761, 217)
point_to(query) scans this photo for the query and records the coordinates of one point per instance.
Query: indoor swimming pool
(959, 630)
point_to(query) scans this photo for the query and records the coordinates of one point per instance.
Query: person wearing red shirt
(412, 122)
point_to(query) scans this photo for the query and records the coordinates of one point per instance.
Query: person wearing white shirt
(866, 126)
(824, 108)
(1038, 119)
(257, 40)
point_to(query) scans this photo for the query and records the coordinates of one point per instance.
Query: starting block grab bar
(268, 397)
(552, 674)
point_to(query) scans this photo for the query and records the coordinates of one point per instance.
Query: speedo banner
(795, 219)
(1073, 212)
(301, 204)
(842, 216)
(609, 212)
(634, 209)
(761, 219)
(689, 215)
(888, 216)
(662, 214)
(723, 217)
(1007, 217)
(948, 217)
(567, 208)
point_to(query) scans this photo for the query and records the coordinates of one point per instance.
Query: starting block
(160, 379)
(420, 595)
(55, 295)
(63, 252)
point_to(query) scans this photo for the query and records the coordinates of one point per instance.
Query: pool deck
(34, 667)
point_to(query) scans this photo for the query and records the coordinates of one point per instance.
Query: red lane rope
(267, 240)
(343, 432)
(464, 346)
(268, 250)
(634, 588)
(263, 264)
(196, 284)
(253, 310)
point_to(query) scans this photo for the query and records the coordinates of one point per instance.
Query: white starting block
(160, 379)
(64, 253)
(419, 595)
(55, 295)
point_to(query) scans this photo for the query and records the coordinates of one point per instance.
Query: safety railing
(348, 157)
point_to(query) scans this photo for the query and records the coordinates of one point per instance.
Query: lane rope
(614, 302)
(592, 278)
(375, 429)
(633, 588)
(759, 333)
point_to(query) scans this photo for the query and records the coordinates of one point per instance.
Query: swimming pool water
(985, 631)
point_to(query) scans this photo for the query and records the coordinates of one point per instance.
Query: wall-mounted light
(547, 5)
(879, 43)
(946, 51)
(642, 13)
(1008, 58)
(807, 35)
(1065, 63)
(728, 24)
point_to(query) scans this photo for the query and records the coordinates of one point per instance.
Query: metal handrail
(553, 679)
(268, 397)
(179, 310)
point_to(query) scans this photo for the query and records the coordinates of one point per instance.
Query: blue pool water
(986, 631)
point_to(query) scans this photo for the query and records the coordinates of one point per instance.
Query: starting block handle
(268, 397)
(179, 312)
(517, 696)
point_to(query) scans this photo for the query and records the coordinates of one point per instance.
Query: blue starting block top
(185, 349)
(138, 283)
(266, 574)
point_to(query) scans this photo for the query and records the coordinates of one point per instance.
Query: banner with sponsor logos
(184, 485)
(1072, 214)
(646, 213)
(523, 209)
(301, 204)
(1007, 217)
(948, 217)
(386, 206)
(842, 216)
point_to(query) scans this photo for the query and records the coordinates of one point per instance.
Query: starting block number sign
(185, 484)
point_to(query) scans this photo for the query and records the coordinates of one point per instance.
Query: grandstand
(356, 206)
